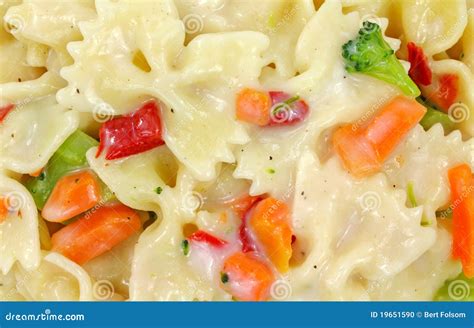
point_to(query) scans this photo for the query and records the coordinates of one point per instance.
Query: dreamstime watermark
(102, 112)
(272, 26)
(193, 23)
(459, 112)
(105, 198)
(14, 201)
(103, 290)
(13, 23)
(193, 201)
(360, 123)
(445, 213)
(280, 290)
(280, 112)
(370, 201)
(459, 290)
(47, 315)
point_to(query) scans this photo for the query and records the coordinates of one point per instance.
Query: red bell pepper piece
(203, 237)
(447, 91)
(5, 110)
(131, 134)
(420, 71)
(287, 110)
(242, 207)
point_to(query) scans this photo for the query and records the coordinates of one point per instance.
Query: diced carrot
(3, 210)
(247, 277)
(36, 173)
(392, 124)
(96, 232)
(269, 221)
(73, 194)
(447, 91)
(355, 151)
(253, 106)
(364, 150)
(462, 197)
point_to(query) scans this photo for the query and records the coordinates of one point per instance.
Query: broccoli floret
(370, 54)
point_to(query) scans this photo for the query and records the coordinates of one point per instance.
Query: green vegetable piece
(185, 247)
(158, 190)
(69, 157)
(411, 195)
(434, 115)
(271, 171)
(413, 203)
(370, 54)
(460, 288)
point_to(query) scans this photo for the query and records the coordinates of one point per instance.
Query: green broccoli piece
(370, 54)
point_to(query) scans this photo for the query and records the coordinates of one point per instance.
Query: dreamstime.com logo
(47, 315)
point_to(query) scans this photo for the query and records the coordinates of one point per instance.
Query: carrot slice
(253, 106)
(73, 194)
(363, 150)
(357, 154)
(392, 124)
(270, 225)
(247, 277)
(96, 232)
(462, 197)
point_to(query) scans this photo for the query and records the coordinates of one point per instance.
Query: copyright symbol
(419, 314)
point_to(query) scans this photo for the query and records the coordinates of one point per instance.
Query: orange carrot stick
(73, 194)
(364, 150)
(462, 198)
(269, 222)
(96, 232)
(253, 106)
(247, 277)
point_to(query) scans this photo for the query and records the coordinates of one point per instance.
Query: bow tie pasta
(236, 150)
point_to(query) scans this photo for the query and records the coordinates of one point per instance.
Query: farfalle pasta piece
(196, 83)
(281, 20)
(434, 25)
(56, 279)
(414, 283)
(423, 160)
(19, 236)
(48, 25)
(367, 232)
(31, 133)
(160, 269)
(142, 174)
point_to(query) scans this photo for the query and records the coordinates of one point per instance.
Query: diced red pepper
(5, 110)
(203, 237)
(447, 91)
(420, 70)
(269, 108)
(132, 134)
(241, 207)
(287, 110)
